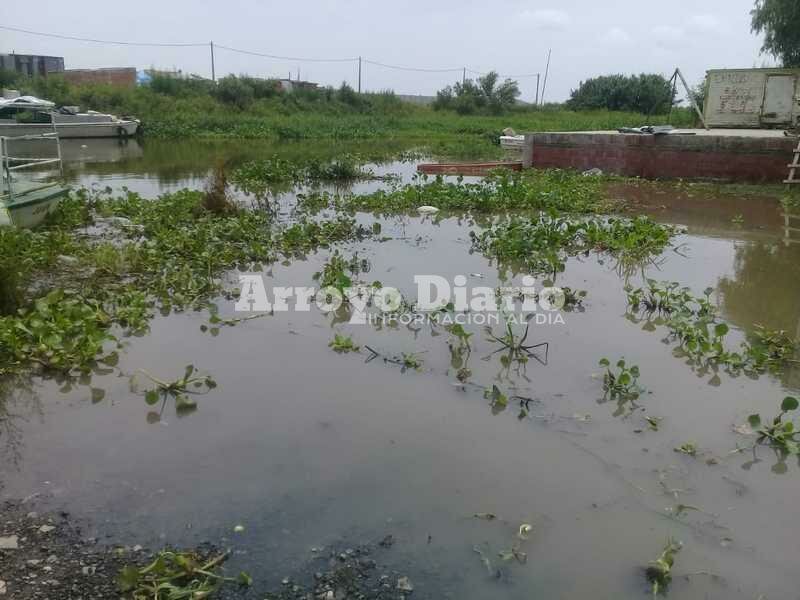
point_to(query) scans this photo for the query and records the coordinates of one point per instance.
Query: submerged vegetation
(659, 571)
(167, 255)
(256, 177)
(781, 433)
(622, 383)
(542, 244)
(693, 322)
(533, 189)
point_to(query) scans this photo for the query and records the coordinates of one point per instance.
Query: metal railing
(11, 164)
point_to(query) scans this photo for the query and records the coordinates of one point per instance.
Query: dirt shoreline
(47, 556)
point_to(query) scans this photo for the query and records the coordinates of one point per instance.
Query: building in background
(124, 77)
(757, 98)
(32, 64)
(287, 85)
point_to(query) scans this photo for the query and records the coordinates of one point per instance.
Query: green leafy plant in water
(693, 322)
(177, 576)
(533, 189)
(343, 344)
(192, 383)
(411, 360)
(334, 273)
(688, 448)
(770, 349)
(515, 347)
(60, 331)
(621, 383)
(542, 244)
(461, 351)
(497, 399)
(781, 434)
(659, 571)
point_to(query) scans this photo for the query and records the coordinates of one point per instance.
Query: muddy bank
(48, 555)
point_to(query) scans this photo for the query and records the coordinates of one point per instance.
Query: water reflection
(19, 403)
(765, 290)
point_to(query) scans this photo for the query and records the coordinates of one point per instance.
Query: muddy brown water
(307, 448)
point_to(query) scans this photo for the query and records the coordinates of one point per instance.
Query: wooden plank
(468, 169)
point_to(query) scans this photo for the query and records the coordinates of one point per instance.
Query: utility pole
(464, 76)
(213, 71)
(359, 74)
(546, 71)
(537, 90)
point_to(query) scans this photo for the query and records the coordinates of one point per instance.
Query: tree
(779, 21)
(483, 95)
(645, 93)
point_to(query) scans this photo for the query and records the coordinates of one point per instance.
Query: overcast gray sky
(588, 37)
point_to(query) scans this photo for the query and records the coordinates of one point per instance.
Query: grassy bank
(197, 109)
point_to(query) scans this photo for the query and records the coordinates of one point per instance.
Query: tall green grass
(196, 109)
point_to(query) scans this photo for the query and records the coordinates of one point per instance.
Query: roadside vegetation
(246, 107)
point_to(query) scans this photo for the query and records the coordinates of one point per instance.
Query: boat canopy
(26, 102)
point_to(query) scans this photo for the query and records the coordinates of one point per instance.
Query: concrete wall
(120, 77)
(729, 158)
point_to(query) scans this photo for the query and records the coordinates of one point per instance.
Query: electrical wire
(415, 69)
(259, 54)
(292, 58)
(94, 41)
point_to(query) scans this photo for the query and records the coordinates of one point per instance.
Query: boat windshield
(25, 114)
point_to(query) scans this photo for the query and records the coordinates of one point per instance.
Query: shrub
(645, 93)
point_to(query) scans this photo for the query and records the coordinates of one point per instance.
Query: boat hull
(29, 210)
(72, 130)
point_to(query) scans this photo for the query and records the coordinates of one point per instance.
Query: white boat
(29, 115)
(27, 193)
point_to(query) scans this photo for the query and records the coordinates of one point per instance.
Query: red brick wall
(122, 77)
(732, 158)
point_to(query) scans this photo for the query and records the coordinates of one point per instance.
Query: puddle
(306, 447)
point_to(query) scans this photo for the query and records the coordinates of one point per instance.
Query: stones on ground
(46, 528)
(10, 542)
(404, 585)
(89, 570)
(3, 588)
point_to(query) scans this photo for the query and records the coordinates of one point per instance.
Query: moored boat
(28, 115)
(27, 195)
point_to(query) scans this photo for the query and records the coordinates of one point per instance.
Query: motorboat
(28, 190)
(29, 115)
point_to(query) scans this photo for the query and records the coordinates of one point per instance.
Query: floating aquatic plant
(343, 344)
(659, 571)
(177, 576)
(621, 382)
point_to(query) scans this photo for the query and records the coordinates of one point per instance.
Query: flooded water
(308, 448)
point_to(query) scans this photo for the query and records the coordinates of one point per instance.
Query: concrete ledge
(754, 158)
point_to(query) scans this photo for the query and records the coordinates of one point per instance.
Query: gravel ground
(46, 556)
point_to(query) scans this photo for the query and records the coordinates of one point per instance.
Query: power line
(522, 76)
(415, 69)
(212, 45)
(292, 58)
(115, 42)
